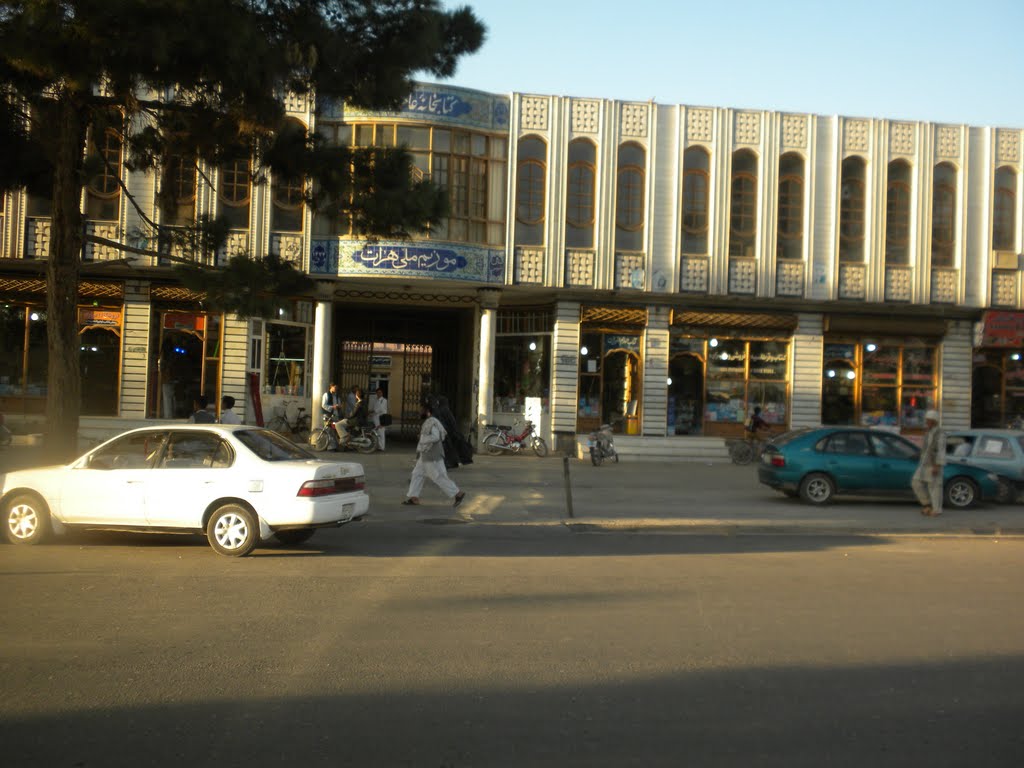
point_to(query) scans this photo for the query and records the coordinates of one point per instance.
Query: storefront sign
(1003, 329)
(380, 361)
(450, 262)
(409, 258)
(181, 321)
(105, 317)
(618, 341)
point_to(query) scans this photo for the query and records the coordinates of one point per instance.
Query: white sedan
(238, 485)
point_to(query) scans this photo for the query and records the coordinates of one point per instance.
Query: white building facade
(664, 269)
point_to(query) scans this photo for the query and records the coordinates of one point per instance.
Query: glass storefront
(998, 388)
(522, 359)
(186, 364)
(878, 383)
(739, 374)
(609, 381)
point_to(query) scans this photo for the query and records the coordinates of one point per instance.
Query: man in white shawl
(927, 479)
(430, 462)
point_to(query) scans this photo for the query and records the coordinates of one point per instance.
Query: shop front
(722, 366)
(610, 390)
(188, 347)
(997, 379)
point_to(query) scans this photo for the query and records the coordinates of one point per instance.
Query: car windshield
(270, 446)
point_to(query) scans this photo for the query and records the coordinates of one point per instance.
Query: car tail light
(312, 488)
(778, 460)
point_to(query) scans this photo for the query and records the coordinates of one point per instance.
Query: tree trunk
(63, 269)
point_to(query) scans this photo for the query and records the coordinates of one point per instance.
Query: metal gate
(416, 381)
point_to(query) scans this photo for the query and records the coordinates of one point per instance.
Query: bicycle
(745, 450)
(502, 438)
(298, 430)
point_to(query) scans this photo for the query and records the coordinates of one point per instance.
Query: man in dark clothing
(457, 449)
(202, 413)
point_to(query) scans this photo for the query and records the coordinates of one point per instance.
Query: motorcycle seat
(498, 426)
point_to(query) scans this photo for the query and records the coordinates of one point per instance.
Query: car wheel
(492, 443)
(26, 519)
(322, 441)
(961, 493)
(817, 488)
(540, 447)
(233, 531)
(295, 537)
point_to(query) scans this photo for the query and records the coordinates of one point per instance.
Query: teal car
(821, 463)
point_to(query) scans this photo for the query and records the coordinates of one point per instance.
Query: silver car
(1000, 451)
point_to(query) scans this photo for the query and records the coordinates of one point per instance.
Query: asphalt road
(409, 644)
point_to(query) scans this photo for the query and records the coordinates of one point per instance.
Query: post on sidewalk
(568, 487)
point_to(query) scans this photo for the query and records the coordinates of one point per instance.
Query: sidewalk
(683, 497)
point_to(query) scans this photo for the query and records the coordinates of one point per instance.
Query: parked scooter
(602, 445)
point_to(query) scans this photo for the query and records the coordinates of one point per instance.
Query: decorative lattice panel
(1008, 146)
(742, 276)
(236, 245)
(898, 283)
(529, 269)
(699, 124)
(614, 315)
(794, 131)
(853, 281)
(585, 113)
(1004, 288)
(634, 120)
(99, 251)
(37, 238)
(748, 127)
(947, 141)
(174, 293)
(855, 135)
(629, 270)
(579, 269)
(288, 247)
(789, 278)
(693, 274)
(534, 116)
(901, 139)
(944, 282)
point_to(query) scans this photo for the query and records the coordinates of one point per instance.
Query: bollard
(568, 486)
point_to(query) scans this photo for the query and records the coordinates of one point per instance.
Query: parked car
(819, 464)
(236, 485)
(995, 450)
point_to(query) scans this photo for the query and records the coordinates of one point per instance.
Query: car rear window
(787, 437)
(271, 446)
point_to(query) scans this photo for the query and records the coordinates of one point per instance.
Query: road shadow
(957, 713)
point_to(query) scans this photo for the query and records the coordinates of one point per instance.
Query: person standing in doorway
(927, 480)
(430, 461)
(380, 408)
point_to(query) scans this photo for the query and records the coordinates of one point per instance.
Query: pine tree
(204, 80)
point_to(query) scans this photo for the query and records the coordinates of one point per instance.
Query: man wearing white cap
(927, 480)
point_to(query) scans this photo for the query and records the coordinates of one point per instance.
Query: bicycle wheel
(322, 440)
(279, 424)
(540, 447)
(741, 452)
(301, 430)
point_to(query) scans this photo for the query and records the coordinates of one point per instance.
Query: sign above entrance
(182, 321)
(1003, 329)
(448, 261)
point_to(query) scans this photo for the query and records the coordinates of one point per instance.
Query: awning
(885, 325)
(758, 321)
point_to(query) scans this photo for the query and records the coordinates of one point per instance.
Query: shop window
(997, 392)
(897, 214)
(12, 362)
(1004, 210)
(285, 372)
(742, 375)
(629, 200)
(579, 195)
(530, 191)
(851, 211)
(743, 204)
(943, 215)
(609, 382)
(696, 197)
(791, 207)
(522, 369)
(99, 361)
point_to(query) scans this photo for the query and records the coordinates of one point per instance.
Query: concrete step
(649, 448)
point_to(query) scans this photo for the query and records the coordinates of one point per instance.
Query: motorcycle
(501, 438)
(602, 445)
(362, 439)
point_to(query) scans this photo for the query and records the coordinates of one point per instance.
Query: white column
(323, 343)
(488, 325)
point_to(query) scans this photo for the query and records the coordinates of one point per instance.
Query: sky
(934, 60)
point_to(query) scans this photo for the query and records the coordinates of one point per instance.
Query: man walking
(927, 480)
(430, 461)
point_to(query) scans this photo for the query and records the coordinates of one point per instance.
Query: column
(489, 299)
(808, 351)
(323, 346)
(654, 409)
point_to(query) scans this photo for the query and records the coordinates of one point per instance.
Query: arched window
(629, 199)
(943, 215)
(1004, 210)
(851, 210)
(178, 191)
(791, 207)
(287, 194)
(897, 213)
(696, 165)
(103, 192)
(579, 195)
(235, 188)
(530, 187)
(743, 204)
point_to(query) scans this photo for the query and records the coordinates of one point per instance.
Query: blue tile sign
(436, 104)
(447, 261)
